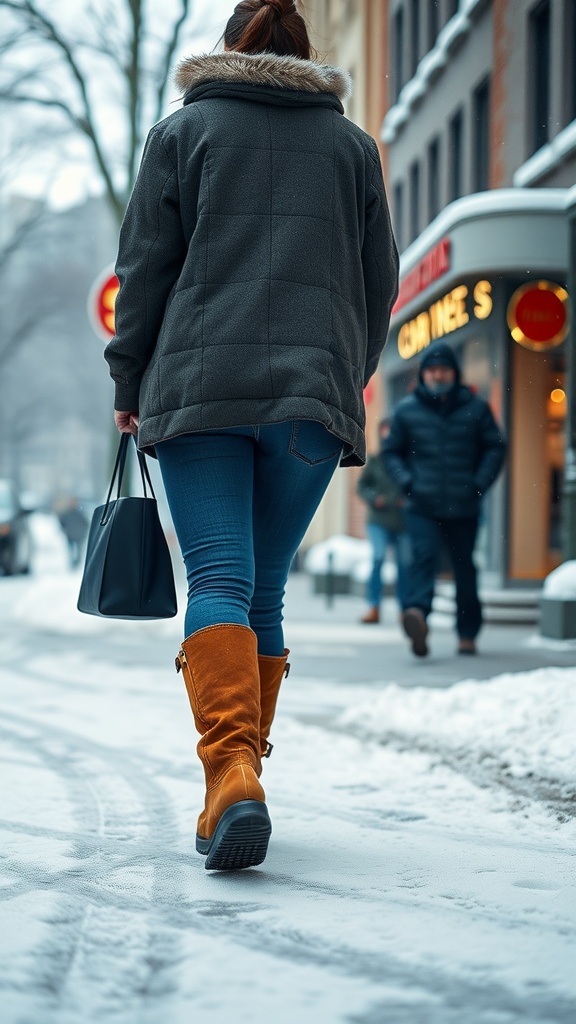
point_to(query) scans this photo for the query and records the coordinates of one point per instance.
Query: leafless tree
(110, 61)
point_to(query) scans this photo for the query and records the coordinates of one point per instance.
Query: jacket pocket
(313, 443)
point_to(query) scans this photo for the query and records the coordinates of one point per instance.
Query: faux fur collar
(266, 69)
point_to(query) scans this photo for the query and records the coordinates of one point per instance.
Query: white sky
(62, 170)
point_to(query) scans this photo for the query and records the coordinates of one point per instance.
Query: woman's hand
(127, 422)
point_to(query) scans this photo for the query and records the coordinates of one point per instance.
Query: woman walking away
(257, 270)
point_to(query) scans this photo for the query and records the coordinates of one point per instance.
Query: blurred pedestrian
(257, 271)
(384, 527)
(74, 524)
(444, 451)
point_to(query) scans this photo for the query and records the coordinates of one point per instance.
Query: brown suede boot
(272, 672)
(220, 669)
(371, 616)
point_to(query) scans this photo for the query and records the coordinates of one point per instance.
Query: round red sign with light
(538, 315)
(101, 303)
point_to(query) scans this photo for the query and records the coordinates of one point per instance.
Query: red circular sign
(537, 315)
(101, 303)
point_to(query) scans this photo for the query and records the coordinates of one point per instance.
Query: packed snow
(561, 582)
(421, 867)
(520, 725)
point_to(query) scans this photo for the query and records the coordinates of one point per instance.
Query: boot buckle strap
(287, 670)
(269, 749)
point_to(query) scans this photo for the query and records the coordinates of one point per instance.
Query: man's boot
(415, 627)
(220, 669)
(272, 672)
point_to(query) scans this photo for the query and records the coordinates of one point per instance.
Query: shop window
(456, 139)
(414, 200)
(481, 135)
(414, 35)
(433, 179)
(398, 214)
(433, 22)
(570, 63)
(398, 51)
(539, 66)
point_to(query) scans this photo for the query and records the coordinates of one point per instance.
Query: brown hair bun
(268, 26)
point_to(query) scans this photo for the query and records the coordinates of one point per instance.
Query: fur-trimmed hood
(266, 69)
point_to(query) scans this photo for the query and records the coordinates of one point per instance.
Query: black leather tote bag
(128, 571)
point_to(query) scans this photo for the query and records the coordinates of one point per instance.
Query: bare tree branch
(86, 123)
(168, 57)
(19, 236)
(116, 32)
(132, 71)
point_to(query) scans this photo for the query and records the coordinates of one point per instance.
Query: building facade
(480, 140)
(473, 103)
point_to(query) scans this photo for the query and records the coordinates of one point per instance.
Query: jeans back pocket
(313, 443)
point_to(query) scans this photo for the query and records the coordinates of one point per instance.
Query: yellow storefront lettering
(414, 336)
(437, 320)
(483, 302)
(459, 314)
(443, 317)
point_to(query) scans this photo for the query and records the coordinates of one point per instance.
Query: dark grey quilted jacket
(256, 259)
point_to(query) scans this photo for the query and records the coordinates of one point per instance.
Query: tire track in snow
(133, 974)
(124, 822)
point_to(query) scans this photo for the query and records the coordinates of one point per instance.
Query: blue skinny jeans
(380, 540)
(241, 501)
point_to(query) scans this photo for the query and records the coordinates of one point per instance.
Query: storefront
(488, 276)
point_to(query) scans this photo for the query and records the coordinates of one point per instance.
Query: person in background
(384, 526)
(257, 271)
(75, 527)
(444, 452)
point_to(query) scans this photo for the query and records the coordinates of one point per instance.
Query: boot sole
(240, 838)
(415, 627)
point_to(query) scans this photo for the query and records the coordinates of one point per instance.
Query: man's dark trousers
(459, 536)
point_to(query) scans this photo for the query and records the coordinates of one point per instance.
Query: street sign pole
(101, 302)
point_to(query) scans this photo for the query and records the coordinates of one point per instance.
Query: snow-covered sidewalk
(419, 870)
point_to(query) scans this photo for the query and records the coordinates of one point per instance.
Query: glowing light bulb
(557, 395)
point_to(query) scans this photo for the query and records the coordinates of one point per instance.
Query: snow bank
(49, 547)
(561, 582)
(525, 721)
(50, 606)
(48, 602)
(346, 552)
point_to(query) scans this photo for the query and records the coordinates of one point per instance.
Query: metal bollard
(330, 580)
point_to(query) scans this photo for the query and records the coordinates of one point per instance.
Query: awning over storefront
(520, 232)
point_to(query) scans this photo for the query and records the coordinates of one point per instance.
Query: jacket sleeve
(151, 254)
(394, 455)
(379, 264)
(492, 451)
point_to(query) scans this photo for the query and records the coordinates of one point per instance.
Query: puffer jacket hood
(262, 69)
(440, 354)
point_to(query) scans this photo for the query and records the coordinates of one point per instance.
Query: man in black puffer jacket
(444, 451)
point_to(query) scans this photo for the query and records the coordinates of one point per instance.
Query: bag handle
(118, 472)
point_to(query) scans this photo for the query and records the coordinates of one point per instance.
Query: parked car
(15, 540)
